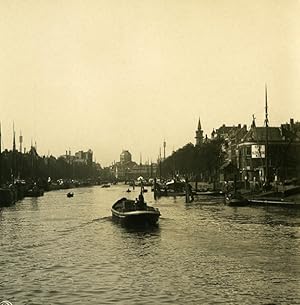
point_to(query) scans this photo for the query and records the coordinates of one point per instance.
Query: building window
(248, 151)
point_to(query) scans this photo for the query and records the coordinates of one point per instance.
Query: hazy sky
(112, 75)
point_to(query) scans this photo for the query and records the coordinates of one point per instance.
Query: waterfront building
(127, 170)
(231, 137)
(80, 157)
(244, 153)
(84, 157)
(224, 132)
(283, 153)
(125, 157)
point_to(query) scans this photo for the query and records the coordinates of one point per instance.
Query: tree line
(30, 166)
(201, 162)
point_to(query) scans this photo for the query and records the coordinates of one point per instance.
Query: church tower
(199, 134)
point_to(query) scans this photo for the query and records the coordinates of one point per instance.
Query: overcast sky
(127, 74)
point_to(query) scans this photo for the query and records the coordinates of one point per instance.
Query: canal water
(59, 250)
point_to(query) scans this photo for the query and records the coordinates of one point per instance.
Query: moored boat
(171, 189)
(35, 191)
(8, 196)
(264, 199)
(236, 200)
(210, 193)
(130, 212)
(283, 202)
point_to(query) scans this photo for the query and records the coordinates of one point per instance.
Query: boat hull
(7, 197)
(136, 218)
(34, 193)
(256, 201)
(236, 202)
(210, 193)
(274, 202)
(131, 213)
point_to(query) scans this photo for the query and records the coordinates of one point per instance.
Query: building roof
(236, 134)
(225, 131)
(258, 134)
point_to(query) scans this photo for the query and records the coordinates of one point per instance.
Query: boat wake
(102, 219)
(85, 224)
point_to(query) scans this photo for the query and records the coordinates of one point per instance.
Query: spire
(199, 134)
(199, 124)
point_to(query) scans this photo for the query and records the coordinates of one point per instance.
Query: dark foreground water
(59, 250)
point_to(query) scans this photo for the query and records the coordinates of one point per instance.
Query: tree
(197, 161)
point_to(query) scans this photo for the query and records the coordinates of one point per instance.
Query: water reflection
(140, 230)
(70, 251)
(34, 203)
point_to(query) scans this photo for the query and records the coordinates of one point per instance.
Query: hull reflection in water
(131, 213)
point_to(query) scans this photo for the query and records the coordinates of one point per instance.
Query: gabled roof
(231, 131)
(33, 151)
(258, 134)
(237, 134)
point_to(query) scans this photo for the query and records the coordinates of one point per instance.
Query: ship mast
(267, 137)
(0, 157)
(14, 164)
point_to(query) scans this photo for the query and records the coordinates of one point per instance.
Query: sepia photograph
(149, 152)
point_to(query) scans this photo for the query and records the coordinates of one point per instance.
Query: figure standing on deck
(141, 202)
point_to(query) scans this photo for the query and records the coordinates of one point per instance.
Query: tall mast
(267, 136)
(14, 170)
(0, 157)
(160, 175)
(21, 142)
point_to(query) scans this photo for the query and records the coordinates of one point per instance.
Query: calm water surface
(59, 250)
